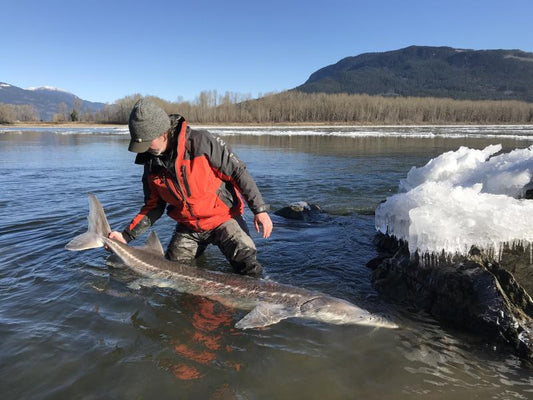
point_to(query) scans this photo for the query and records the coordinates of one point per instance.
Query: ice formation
(461, 199)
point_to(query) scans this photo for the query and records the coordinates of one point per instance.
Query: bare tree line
(10, 113)
(294, 107)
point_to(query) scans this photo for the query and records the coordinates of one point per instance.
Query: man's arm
(151, 211)
(230, 168)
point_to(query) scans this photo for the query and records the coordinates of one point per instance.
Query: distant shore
(309, 125)
(41, 124)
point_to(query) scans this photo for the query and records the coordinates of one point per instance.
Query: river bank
(41, 124)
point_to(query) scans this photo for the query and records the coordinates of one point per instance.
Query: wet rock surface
(475, 292)
(303, 211)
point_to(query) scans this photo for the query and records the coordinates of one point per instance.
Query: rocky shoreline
(474, 292)
(487, 294)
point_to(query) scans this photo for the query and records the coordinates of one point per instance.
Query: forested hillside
(420, 71)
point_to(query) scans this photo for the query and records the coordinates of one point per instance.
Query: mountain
(46, 100)
(430, 71)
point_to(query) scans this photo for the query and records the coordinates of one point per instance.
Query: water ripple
(71, 326)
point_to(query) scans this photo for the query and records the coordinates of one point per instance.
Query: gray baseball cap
(147, 122)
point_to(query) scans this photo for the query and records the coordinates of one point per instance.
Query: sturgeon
(269, 302)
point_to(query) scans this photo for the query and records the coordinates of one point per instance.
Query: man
(196, 177)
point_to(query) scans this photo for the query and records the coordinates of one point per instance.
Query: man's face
(158, 145)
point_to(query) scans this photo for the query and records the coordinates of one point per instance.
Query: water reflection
(372, 146)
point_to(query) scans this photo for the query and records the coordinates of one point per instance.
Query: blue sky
(105, 50)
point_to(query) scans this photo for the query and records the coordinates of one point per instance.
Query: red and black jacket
(198, 182)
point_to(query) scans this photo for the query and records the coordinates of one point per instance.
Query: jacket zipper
(185, 181)
(184, 199)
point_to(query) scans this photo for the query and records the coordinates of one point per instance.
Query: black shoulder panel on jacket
(222, 158)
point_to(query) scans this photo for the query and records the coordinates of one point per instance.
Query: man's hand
(263, 220)
(116, 236)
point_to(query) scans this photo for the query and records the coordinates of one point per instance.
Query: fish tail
(98, 228)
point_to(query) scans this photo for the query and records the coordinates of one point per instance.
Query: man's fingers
(115, 235)
(267, 230)
(118, 236)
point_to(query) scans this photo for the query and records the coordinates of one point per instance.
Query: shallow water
(72, 327)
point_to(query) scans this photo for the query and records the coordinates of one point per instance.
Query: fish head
(337, 311)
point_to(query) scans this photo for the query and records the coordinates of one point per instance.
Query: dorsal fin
(153, 244)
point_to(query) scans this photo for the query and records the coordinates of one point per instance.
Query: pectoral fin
(264, 315)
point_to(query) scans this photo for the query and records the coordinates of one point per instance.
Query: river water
(72, 326)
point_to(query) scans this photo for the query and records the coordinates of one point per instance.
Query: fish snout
(336, 311)
(328, 309)
(374, 321)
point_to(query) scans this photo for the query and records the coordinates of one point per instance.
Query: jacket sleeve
(152, 210)
(230, 168)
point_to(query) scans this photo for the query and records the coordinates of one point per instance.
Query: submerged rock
(473, 292)
(303, 211)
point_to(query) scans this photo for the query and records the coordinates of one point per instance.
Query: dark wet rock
(475, 292)
(517, 260)
(303, 211)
